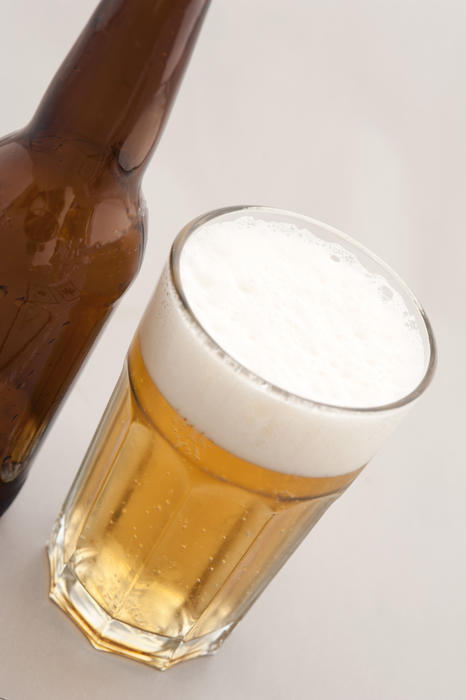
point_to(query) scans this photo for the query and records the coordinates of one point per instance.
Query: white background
(353, 113)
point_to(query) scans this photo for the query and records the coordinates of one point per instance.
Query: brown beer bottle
(72, 216)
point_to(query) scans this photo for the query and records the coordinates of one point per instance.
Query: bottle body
(71, 241)
(71, 209)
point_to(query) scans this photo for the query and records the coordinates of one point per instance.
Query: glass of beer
(274, 359)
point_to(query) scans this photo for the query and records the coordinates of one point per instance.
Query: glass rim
(175, 277)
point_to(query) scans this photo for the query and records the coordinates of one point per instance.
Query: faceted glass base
(108, 634)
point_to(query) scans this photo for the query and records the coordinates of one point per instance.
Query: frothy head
(284, 341)
(302, 312)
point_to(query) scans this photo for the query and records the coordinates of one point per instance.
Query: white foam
(300, 312)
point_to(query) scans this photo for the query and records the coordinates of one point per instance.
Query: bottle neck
(117, 84)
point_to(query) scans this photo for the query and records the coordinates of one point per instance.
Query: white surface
(354, 113)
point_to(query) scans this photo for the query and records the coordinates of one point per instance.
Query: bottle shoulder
(66, 212)
(51, 162)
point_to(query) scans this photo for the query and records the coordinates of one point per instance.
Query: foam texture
(301, 313)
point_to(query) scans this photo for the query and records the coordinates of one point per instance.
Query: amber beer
(167, 537)
(72, 216)
(184, 535)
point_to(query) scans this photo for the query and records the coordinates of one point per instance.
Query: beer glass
(173, 527)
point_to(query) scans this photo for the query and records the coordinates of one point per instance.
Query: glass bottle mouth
(370, 260)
